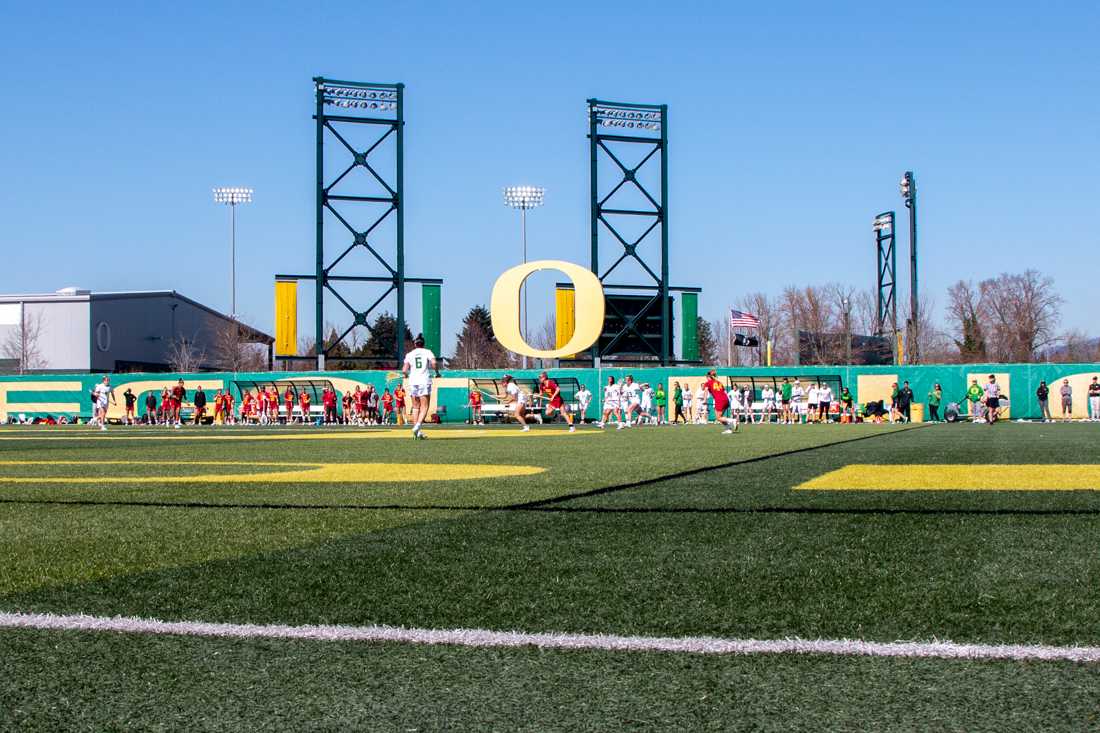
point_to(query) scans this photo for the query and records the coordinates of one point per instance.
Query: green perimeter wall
(39, 395)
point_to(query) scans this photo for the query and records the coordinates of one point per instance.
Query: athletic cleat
(727, 431)
(526, 429)
(572, 429)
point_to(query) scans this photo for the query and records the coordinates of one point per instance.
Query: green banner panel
(689, 350)
(430, 296)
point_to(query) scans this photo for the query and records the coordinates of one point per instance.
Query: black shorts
(993, 403)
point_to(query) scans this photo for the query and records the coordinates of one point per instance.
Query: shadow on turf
(545, 505)
(551, 509)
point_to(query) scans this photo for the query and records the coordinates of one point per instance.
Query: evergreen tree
(477, 347)
(708, 345)
(380, 342)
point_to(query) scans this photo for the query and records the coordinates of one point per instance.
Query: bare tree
(23, 344)
(964, 311)
(232, 353)
(546, 337)
(1074, 347)
(1022, 311)
(184, 355)
(812, 310)
(769, 311)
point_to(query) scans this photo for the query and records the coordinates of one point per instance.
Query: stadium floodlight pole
(232, 196)
(524, 198)
(847, 329)
(908, 187)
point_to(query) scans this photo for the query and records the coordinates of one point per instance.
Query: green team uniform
(678, 397)
(974, 394)
(661, 398)
(935, 397)
(785, 391)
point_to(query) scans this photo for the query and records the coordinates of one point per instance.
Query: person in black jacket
(905, 402)
(1043, 393)
(199, 401)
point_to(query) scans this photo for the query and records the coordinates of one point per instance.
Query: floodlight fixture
(231, 196)
(524, 198)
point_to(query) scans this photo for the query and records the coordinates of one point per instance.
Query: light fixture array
(352, 98)
(627, 118)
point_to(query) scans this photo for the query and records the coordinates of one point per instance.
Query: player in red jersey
(303, 405)
(288, 403)
(475, 407)
(179, 392)
(554, 401)
(721, 402)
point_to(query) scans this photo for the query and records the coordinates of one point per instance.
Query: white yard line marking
(484, 638)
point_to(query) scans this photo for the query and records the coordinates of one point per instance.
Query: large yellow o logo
(504, 308)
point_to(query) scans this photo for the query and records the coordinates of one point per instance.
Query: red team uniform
(721, 400)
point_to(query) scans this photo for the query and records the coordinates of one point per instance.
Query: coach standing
(905, 402)
(1043, 393)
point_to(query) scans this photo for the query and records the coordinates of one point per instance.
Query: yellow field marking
(291, 473)
(955, 477)
(321, 434)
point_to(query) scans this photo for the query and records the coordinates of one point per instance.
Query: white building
(83, 331)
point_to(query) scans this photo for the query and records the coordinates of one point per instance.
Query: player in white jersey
(824, 402)
(631, 400)
(647, 404)
(418, 367)
(701, 396)
(734, 395)
(584, 399)
(612, 403)
(797, 405)
(811, 403)
(103, 393)
(517, 398)
(767, 396)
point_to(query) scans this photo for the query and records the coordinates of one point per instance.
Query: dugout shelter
(492, 393)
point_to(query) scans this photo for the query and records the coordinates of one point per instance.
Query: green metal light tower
(381, 107)
(908, 187)
(644, 125)
(887, 310)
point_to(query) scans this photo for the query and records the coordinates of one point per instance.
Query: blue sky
(790, 124)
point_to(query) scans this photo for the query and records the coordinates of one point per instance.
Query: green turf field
(649, 532)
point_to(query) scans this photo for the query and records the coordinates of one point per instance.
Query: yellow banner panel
(565, 316)
(286, 317)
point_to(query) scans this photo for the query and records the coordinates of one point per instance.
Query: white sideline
(484, 638)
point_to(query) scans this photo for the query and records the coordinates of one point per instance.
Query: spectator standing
(661, 398)
(904, 402)
(1067, 400)
(974, 396)
(678, 403)
(992, 399)
(200, 405)
(1043, 393)
(372, 404)
(935, 397)
(151, 408)
(1094, 400)
(130, 400)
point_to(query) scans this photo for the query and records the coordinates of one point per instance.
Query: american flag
(738, 319)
